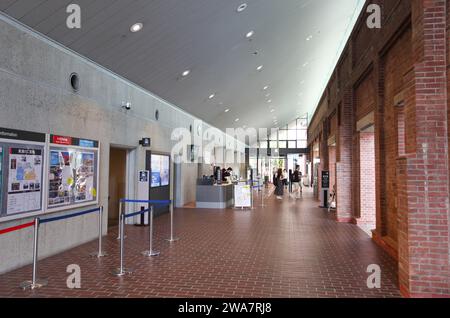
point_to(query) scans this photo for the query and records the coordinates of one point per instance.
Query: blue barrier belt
(156, 202)
(136, 213)
(63, 217)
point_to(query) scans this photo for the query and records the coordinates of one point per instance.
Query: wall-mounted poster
(160, 165)
(25, 180)
(72, 172)
(21, 171)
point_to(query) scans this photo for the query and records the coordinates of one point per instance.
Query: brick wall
(403, 71)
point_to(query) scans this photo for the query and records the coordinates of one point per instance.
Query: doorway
(367, 180)
(117, 183)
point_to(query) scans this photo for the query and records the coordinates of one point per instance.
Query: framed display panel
(160, 170)
(73, 178)
(22, 162)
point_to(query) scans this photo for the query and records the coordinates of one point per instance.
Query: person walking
(279, 190)
(297, 183)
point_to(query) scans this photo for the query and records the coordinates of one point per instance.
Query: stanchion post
(172, 238)
(120, 215)
(122, 271)
(100, 252)
(35, 283)
(151, 252)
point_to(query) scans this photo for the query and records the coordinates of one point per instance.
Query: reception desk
(215, 196)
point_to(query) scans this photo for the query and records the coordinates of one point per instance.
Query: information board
(24, 180)
(21, 171)
(242, 196)
(73, 172)
(160, 165)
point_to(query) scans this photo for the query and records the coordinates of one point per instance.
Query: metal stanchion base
(118, 238)
(38, 284)
(121, 273)
(98, 255)
(172, 240)
(151, 253)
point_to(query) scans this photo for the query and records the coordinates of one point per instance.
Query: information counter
(215, 196)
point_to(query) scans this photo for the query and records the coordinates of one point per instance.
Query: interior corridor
(287, 249)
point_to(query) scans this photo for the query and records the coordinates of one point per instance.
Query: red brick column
(344, 212)
(423, 176)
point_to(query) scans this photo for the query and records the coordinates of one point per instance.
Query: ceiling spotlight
(266, 88)
(242, 7)
(272, 110)
(212, 96)
(250, 34)
(186, 73)
(136, 27)
(227, 110)
(236, 120)
(309, 38)
(259, 68)
(269, 101)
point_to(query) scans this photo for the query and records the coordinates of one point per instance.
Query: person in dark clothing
(279, 190)
(297, 182)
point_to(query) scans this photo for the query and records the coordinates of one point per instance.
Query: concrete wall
(36, 96)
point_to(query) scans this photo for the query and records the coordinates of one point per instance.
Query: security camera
(126, 106)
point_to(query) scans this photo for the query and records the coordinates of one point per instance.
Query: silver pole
(120, 214)
(100, 253)
(262, 198)
(172, 239)
(151, 252)
(122, 271)
(35, 282)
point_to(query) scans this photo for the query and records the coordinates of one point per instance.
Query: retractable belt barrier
(122, 271)
(152, 203)
(260, 189)
(35, 283)
(16, 228)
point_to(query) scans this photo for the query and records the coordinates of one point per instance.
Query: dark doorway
(117, 183)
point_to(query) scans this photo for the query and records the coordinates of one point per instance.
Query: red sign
(60, 140)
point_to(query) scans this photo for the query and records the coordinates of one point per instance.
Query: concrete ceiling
(298, 43)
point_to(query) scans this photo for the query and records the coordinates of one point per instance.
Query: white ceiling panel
(298, 43)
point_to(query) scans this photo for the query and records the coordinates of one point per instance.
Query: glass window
(263, 145)
(302, 134)
(293, 125)
(273, 145)
(292, 134)
(282, 135)
(292, 145)
(302, 143)
(282, 144)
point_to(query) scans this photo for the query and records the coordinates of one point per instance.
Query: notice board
(22, 161)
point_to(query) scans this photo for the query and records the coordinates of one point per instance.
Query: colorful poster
(160, 171)
(24, 180)
(72, 177)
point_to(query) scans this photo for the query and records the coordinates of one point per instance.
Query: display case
(72, 172)
(22, 164)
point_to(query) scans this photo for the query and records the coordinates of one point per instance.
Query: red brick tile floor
(289, 249)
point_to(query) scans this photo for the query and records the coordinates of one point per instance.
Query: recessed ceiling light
(259, 68)
(186, 73)
(309, 38)
(250, 34)
(136, 27)
(268, 95)
(242, 7)
(306, 64)
(272, 110)
(227, 110)
(269, 101)
(236, 120)
(266, 88)
(212, 96)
